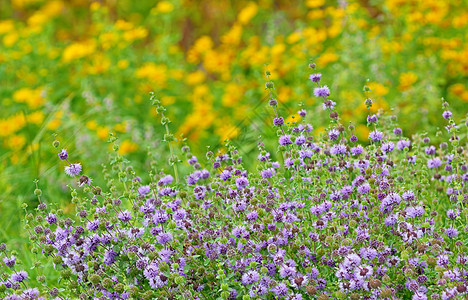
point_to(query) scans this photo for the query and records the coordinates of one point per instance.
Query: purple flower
(165, 180)
(402, 144)
(143, 190)
(372, 119)
(315, 77)
(397, 131)
(280, 290)
(285, 140)
(375, 136)
(241, 182)
(434, 163)
(387, 147)
(302, 112)
(272, 102)
(278, 121)
(164, 238)
(92, 225)
(323, 91)
(357, 150)
(73, 169)
(363, 189)
(250, 277)
(51, 219)
(447, 114)
(333, 134)
(124, 216)
(270, 172)
(19, 277)
(9, 262)
(30, 294)
(338, 149)
(300, 140)
(63, 155)
(451, 232)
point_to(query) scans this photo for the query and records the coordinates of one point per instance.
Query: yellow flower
(154, 73)
(121, 127)
(127, 147)
(6, 26)
(326, 59)
(232, 94)
(32, 97)
(406, 80)
(168, 100)
(16, 142)
(378, 89)
(135, 34)
(36, 117)
(10, 39)
(123, 64)
(195, 78)
(163, 7)
(102, 132)
(315, 3)
(247, 13)
(293, 38)
(54, 124)
(233, 36)
(92, 125)
(78, 50)
(227, 131)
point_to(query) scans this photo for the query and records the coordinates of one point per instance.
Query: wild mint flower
(73, 169)
(302, 112)
(250, 277)
(144, 189)
(278, 121)
(124, 216)
(315, 77)
(19, 276)
(9, 261)
(402, 144)
(285, 140)
(375, 136)
(165, 180)
(333, 134)
(63, 154)
(323, 91)
(447, 114)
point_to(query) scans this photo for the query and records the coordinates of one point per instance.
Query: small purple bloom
(315, 77)
(278, 121)
(73, 169)
(323, 91)
(143, 190)
(241, 182)
(285, 140)
(124, 216)
(375, 136)
(447, 114)
(63, 155)
(302, 112)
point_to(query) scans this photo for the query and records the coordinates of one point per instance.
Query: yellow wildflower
(195, 78)
(36, 117)
(127, 147)
(102, 132)
(406, 80)
(162, 7)
(247, 13)
(6, 26)
(326, 59)
(78, 50)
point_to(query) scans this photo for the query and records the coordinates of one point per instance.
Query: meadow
(233, 150)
